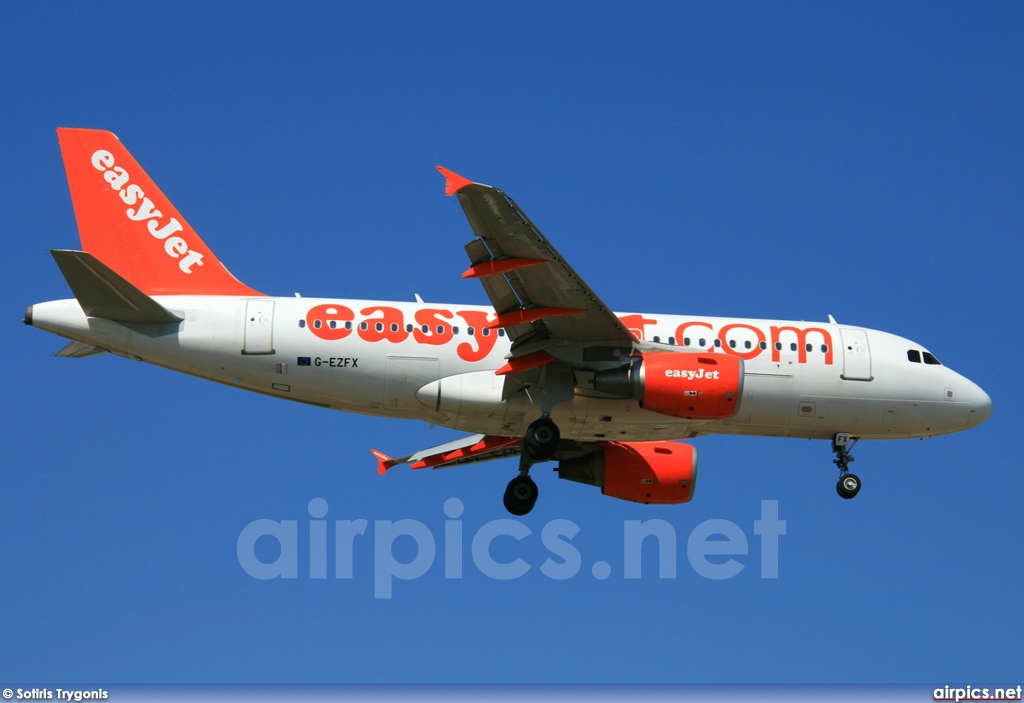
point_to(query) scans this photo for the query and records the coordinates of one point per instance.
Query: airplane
(546, 373)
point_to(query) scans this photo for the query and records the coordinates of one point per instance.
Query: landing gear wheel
(520, 495)
(848, 486)
(541, 439)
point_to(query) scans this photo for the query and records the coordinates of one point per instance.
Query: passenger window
(746, 344)
(732, 343)
(455, 330)
(778, 346)
(363, 326)
(302, 324)
(332, 324)
(718, 342)
(763, 345)
(686, 341)
(824, 349)
(408, 328)
(470, 331)
(701, 343)
(657, 339)
(914, 355)
(809, 347)
(672, 340)
(929, 359)
(792, 346)
(379, 326)
(501, 333)
(348, 325)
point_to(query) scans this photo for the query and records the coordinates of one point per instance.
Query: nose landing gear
(849, 484)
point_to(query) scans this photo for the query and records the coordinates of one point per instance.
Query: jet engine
(680, 384)
(643, 472)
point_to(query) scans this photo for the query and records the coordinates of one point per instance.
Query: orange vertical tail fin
(126, 221)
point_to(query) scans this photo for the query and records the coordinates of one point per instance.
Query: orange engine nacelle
(692, 385)
(643, 472)
(680, 384)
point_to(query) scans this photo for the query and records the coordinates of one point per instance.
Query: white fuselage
(435, 362)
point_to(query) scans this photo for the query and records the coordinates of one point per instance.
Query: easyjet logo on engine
(142, 209)
(690, 375)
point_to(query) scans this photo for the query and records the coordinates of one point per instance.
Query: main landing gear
(541, 439)
(539, 444)
(849, 484)
(520, 495)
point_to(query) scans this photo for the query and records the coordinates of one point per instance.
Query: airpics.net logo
(715, 549)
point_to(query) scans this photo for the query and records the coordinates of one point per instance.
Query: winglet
(384, 462)
(453, 182)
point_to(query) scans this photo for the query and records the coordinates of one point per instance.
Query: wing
(465, 450)
(471, 449)
(540, 300)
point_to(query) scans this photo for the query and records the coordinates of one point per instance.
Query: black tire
(541, 440)
(521, 495)
(848, 486)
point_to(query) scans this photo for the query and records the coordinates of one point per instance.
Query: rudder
(126, 221)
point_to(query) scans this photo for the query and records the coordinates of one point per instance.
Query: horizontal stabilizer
(80, 350)
(103, 293)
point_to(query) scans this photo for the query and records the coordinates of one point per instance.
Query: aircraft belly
(589, 419)
(767, 403)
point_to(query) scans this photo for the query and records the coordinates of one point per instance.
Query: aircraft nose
(981, 406)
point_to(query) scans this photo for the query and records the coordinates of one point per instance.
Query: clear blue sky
(791, 161)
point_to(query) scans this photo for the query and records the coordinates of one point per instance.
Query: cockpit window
(914, 355)
(929, 359)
